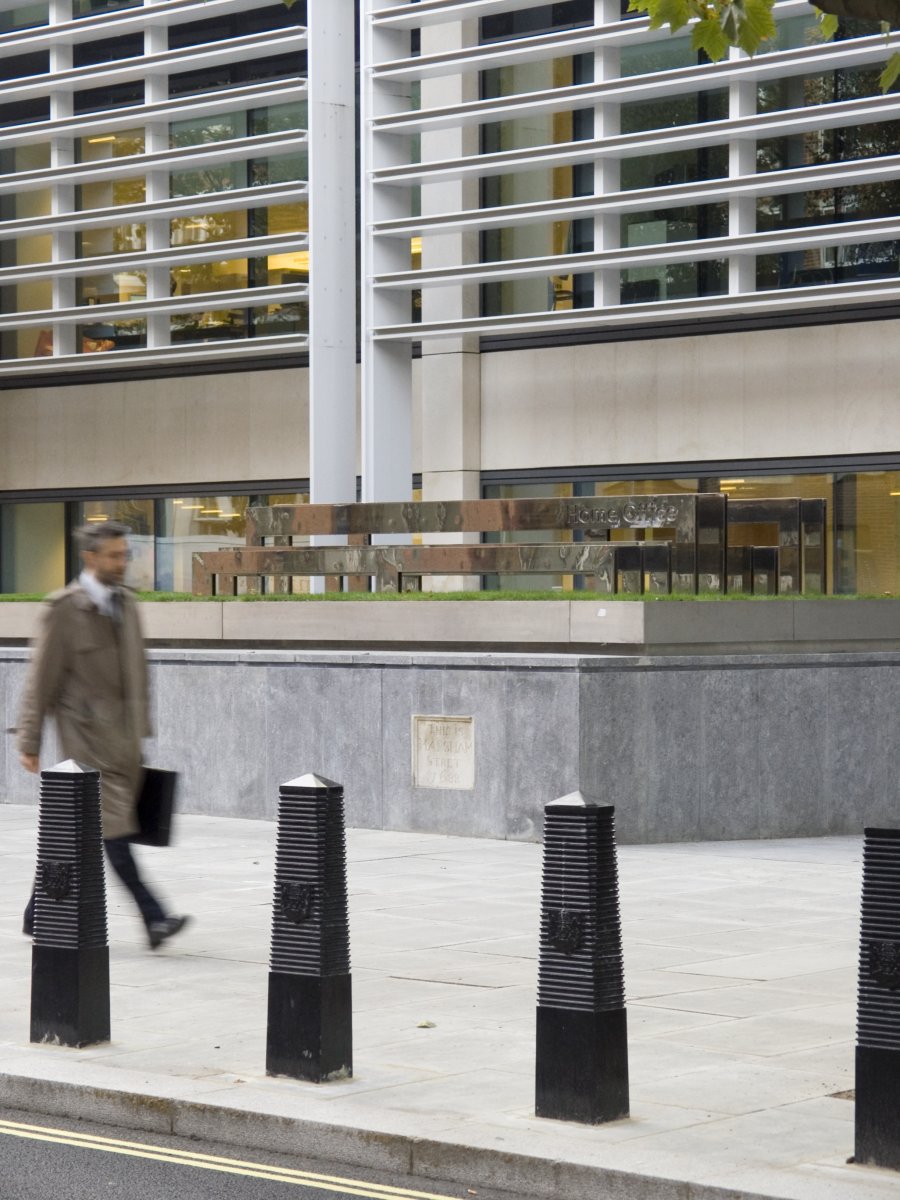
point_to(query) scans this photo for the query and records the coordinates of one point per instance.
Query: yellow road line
(212, 1162)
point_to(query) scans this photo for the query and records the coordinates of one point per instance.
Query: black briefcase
(155, 805)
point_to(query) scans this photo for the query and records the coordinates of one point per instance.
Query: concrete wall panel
(201, 428)
(759, 394)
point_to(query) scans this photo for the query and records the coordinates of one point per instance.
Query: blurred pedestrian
(88, 671)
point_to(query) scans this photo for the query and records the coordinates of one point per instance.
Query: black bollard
(582, 1040)
(878, 1011)
(70, 953)
(310, 1033)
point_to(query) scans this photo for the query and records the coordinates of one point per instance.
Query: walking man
(89, 671)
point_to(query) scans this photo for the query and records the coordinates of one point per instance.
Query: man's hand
(31, 762)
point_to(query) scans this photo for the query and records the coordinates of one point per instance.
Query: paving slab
(740, 963)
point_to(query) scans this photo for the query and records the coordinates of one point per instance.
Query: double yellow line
(212, 1162)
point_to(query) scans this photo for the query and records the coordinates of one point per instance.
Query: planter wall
(688, 747)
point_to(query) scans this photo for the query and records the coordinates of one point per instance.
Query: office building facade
(590, 264)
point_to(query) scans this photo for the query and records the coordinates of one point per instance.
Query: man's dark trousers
(118, 851)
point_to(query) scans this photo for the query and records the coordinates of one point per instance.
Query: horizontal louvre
(623, 282)
(221, 272)
(580, 965)
(70, 862)
(310, 925)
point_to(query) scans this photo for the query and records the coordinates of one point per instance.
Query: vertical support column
(741, 161)
(711, 538)
(582, 1044)
(156, 140)
(386, 366)
(789, 551)
(451, 367)
(332, 254)
(62, 195)
(70, 954)
(607, 225)
(309, 1033)
(813, 565)
(878, 1012)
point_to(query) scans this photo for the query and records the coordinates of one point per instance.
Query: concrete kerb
(422, 1159)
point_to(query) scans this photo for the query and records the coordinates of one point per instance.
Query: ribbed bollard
(878, 1012)
(582, 1045)
(70, 953)
(310, 1034)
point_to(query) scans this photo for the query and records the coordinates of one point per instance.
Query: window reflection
(138, 517)
(536, 240)
(26, 16)
(862, 531)
(190, 524)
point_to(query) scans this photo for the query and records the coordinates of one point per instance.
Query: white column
(156, 183)
(386, 366)
(607, 226)
(741, 161)
(332, 243)
(62, 196)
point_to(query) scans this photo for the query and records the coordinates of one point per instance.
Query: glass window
(542, 19)
(104, 50)
(32, 295)
(32, 548)
(553, 237)
(27, 16)
(194, 523)
(89, 8)
(23, 66)
(138, 516)
(102, 99)
(529, 583)
(867, 533)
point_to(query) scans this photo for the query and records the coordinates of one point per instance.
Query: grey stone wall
(687, 748)
(754, 746)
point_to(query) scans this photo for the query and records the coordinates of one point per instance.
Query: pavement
(740, 963)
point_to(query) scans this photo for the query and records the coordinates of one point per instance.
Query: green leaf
(709, 37)
(891, 72)
(674, 13)
(747, 23)
(828, 24)
(758, 25)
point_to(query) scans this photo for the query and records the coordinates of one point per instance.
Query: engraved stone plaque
(443, 752)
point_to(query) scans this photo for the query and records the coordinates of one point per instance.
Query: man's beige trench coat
(90, 674)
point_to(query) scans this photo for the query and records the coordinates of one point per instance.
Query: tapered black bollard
(70, 954)
(582, 1042)
(310, 1033)
(878, 1012)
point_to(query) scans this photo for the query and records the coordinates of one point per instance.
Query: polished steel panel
(765, 570)
(694, 558)
(739, 570)
(656, 568)
(477, 516)
(392, 565)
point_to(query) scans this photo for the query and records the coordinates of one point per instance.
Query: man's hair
(91, 535)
